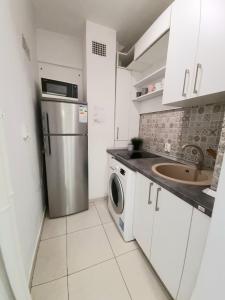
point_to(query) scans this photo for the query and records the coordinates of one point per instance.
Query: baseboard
(38, 239)
(97, 199)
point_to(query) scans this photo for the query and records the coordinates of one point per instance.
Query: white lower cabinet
(196, 246)
(172, 234)
(144, 212)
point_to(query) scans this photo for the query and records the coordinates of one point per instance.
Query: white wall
(100, 74)
(59, 49)
(210, 283)
(18, 103)
(60, 58)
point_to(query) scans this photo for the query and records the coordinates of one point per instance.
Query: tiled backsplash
(198, 125)
(219, 159)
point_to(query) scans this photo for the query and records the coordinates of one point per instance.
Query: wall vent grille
(98, 48)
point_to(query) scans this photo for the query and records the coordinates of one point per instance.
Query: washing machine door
(116, 193)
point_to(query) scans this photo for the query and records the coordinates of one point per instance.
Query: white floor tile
(51, 260)
(118, 244)
(103, 212)
(83, 220)
(101, 282)
(55, 290)
(53, 228)
(140, 278)
(86, 248)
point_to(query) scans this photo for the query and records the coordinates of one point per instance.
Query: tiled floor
(83, 257)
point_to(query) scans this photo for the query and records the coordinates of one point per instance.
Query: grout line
(83, 229)
(117, 264)
(53, 237)
(124, 280)
(49, 281)
(104, 223)
(92, 266)
(98, 213)
(68, 233)
(122, 254)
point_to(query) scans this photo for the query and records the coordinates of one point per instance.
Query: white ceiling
(130, 18)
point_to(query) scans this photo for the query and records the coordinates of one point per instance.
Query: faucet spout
(200, 163)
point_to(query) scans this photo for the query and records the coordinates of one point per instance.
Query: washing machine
(121, 188)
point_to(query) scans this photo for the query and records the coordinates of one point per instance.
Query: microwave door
(63, 118)
(56, 89)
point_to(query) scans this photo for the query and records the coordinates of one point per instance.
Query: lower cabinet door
(170, 237)
(144, 212)
(196, 246)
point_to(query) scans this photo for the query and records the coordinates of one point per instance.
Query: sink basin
(183, 174)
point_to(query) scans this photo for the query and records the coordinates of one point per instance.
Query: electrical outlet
(167, 147)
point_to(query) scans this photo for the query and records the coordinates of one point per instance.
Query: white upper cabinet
(123, 99)
(195, 60)
(210, 59)
(170, 238)
(154, 33)
(183, 40)
(144, 212)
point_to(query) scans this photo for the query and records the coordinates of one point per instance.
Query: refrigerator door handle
(48, 135)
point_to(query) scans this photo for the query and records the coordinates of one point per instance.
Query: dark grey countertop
(189, 193)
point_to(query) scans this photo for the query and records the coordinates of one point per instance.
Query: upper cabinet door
(144, 212)
(123, 99)
(170, 237)
(182, 49)
(210, 61)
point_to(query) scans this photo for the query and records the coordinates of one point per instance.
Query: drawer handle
(195, 91)
(187, 72)
(157, 199)
(149, 193)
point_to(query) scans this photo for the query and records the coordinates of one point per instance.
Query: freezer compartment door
(64, 118)
(67, 175)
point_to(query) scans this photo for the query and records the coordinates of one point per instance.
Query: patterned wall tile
(201, 126)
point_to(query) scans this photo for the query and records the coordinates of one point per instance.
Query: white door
(170, 236)
(182, 49)
(144, 212)
(210, 60)
(123, 99)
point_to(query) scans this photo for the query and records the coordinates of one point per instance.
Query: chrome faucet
(200, 163)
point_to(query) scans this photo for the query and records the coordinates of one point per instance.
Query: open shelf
(155, 55)
(159, 74)
(149, 96)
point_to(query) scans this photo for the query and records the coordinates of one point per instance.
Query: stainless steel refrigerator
(66, 156)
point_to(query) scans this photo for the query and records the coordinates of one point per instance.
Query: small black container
(137, 143)
(138, 94)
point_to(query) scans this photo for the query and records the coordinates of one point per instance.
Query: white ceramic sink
(183, 174)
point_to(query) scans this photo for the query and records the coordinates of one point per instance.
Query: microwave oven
(59, 88)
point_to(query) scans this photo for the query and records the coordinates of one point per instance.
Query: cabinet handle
(117, 133)
(49, 138)
(157, 199)
(195, 91)
(187, 72)
(149, 193)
